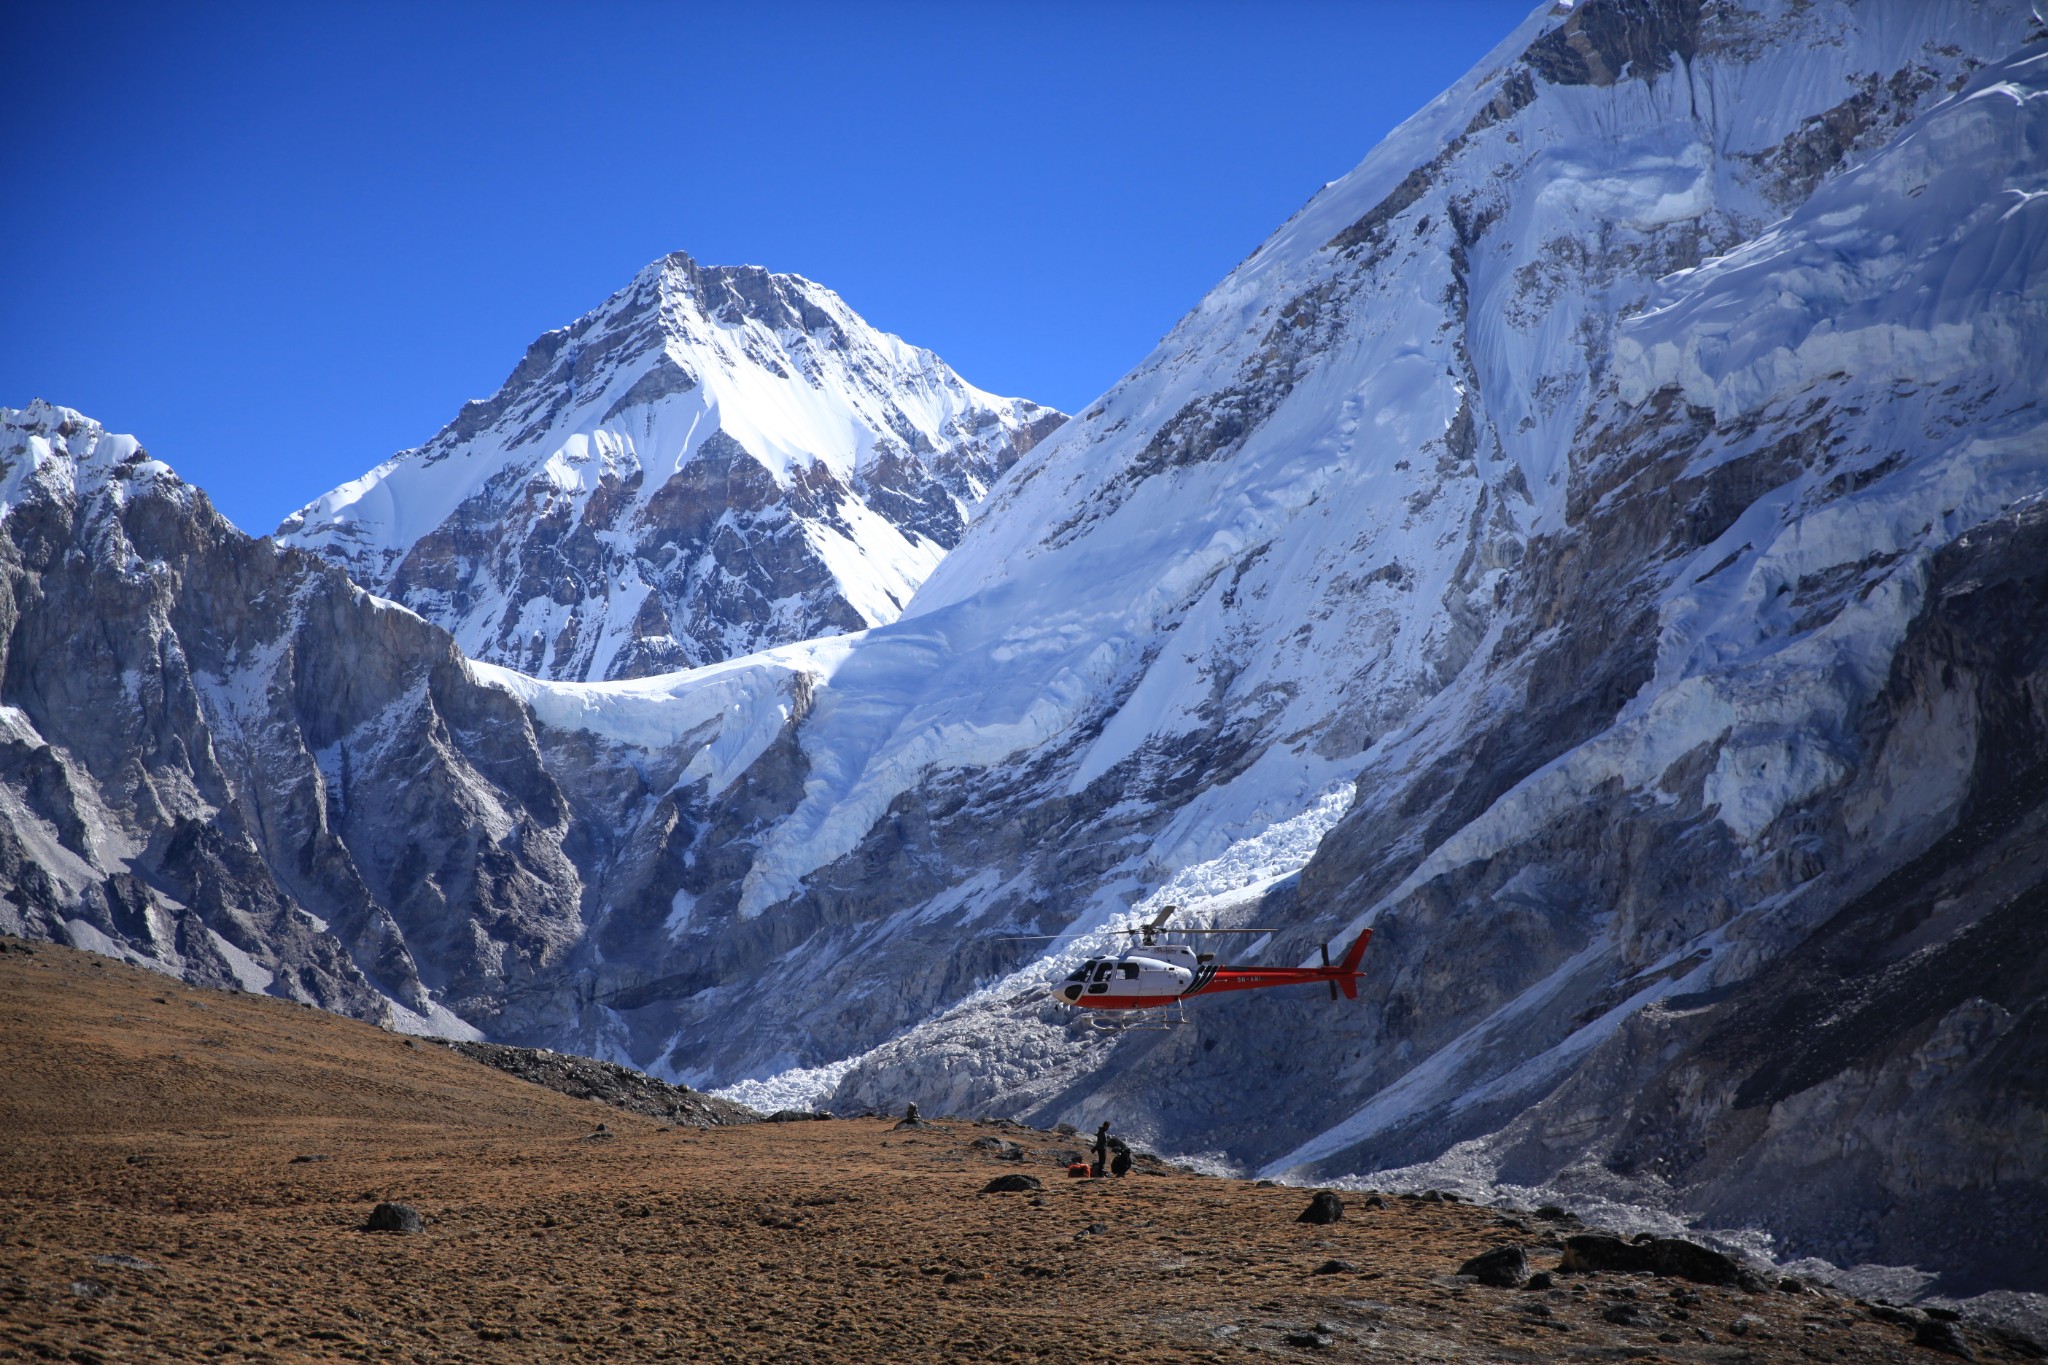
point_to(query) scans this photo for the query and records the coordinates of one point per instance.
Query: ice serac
(716, 460)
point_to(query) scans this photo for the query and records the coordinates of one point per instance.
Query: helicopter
(1150, 974)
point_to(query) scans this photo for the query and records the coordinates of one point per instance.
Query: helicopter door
(1100, 986)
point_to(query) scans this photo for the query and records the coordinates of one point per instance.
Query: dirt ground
(184, 1175)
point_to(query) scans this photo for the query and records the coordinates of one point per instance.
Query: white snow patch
(439, 1022)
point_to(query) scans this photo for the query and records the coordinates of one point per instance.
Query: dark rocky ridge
(242, 765)
(621, 1087)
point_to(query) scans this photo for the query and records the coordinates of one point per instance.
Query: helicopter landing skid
(1148, 1021)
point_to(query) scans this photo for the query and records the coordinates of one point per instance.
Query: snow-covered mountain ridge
(715, 460)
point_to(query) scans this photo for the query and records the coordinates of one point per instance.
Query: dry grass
(139, 1118)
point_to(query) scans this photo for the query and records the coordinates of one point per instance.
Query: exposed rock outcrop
(227, 761)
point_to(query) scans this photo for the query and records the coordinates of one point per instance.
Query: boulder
(1945, 1337)
(1015, 1183)
(1325, 1208)
(390, 1217)
(1503, 1267)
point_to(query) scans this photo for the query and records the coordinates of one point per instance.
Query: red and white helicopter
(1150, 974)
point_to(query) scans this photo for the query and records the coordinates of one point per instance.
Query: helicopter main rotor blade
(1159, 920)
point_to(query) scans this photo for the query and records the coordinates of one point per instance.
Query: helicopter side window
(1102, 972)
(1079, 973)
(1130, 971)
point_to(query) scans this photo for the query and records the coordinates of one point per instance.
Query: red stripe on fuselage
(1229, 979)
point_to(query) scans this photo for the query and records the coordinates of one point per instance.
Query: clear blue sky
(279, 242)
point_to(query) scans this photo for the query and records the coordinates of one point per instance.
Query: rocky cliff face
(227, 762)
(716, 460)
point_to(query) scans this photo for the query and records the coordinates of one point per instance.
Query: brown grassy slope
(139, 1118)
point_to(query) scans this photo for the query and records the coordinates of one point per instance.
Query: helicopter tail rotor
(1326, 963)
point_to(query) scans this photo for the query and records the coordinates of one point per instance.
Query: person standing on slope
(1101, 1150)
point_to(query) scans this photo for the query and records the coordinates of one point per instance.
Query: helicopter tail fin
(1352, 958)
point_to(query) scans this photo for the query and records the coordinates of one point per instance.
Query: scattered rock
(1627, 1314)
(303, 1160)
(1503, 1267)
(1594, 1251)
(1788, 1285)
(1267, 1185)
(390, 1217)
(1945, 1314)
(1748, 1325)
(964, 1276)
(88, 1289)
(1307, 1340)
(1334, 1268)
(1373, 1202)
(1540, 1280)
(123, 1262)
(146, 1159)
(597, 1134)
(1325, 1208)
(997, 1145)
(1938, 1335)
(1903, 1317)
(1014, 1183)
(1096, 1230)
(796, 1116)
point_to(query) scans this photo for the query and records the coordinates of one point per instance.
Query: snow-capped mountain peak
(715, 460)
(60, 452)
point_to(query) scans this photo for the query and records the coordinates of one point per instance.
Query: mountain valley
(1600, 544)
